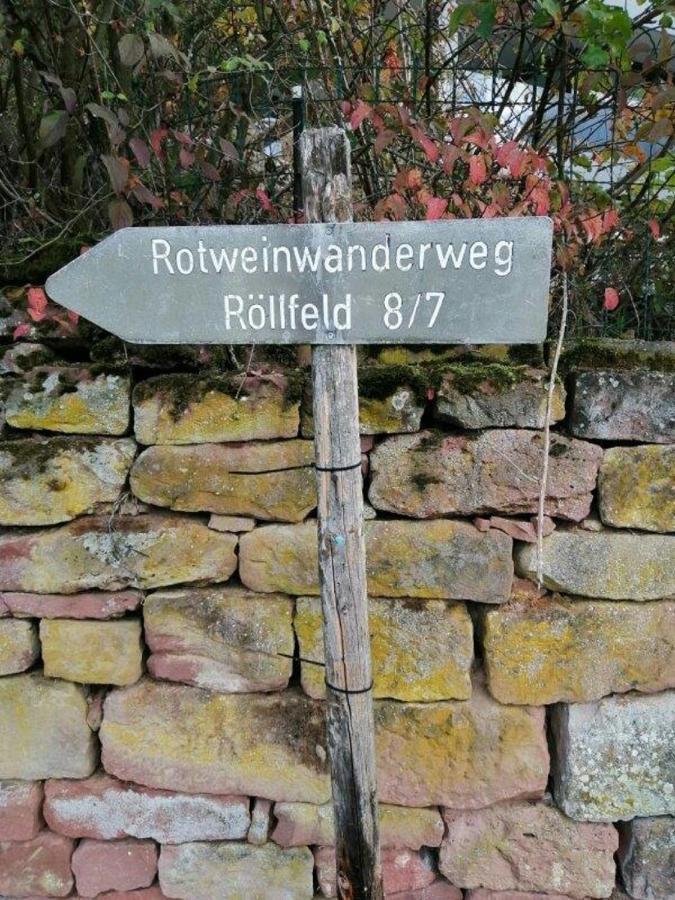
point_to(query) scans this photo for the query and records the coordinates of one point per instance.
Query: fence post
(342, 563)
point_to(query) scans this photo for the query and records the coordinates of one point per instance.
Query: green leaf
(487, 16)
(131, 49)
(460, 16)
(595, 57)
(552, 7)
(53, 127)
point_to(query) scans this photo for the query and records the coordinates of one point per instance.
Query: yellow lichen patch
(461, 754)
(216, 416)
(183, 738)
(51, 481)
(19, 647)
(95, 406)
(636, 487)
(421, 649)
(547, 650)
(92, 652)
(43, 729)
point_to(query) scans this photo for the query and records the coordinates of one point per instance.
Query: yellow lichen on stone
(92, 652)
(95, 406)
(55, 480)
(636, 487)
(421, 649)
(546, 650)
(19, 647)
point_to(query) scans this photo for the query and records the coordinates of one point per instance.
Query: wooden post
(342, 559)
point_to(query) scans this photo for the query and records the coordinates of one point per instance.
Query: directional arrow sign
(463, 281)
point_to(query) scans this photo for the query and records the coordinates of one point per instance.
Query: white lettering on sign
(448, 281)
(279, 312)
(332, 259)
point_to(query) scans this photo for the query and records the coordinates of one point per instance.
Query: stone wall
(161, 698)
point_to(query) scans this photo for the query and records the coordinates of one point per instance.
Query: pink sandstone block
(100, 866)
(40, 866)
(20, 810)
(485, 894)
(402, 871)
(439, 890)
(104, 808)
(151, 893)
(89, 605)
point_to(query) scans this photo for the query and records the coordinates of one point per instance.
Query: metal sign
(462, 281)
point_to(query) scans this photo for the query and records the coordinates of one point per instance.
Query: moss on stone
(475, 377)
(34, 456)
(618, 354)
(184, 389)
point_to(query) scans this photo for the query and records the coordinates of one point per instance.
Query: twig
(547, 434)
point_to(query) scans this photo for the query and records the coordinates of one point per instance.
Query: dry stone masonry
(162, 727)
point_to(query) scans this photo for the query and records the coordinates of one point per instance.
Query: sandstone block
(19, 646)
(236, 524)
(431, 474)
(187, 739)
(43, 729)
(402, 870)
(93, 605)
(92, 652)
(647, 857)
(611, 565)
(104, 808)
(20, 810)
(71, 400)
(187, 409)
(617, 405)
(614, 758)
(139, 551)
(438, 890)
(151, 893)
(421, 649)
(46, 481)
(392, 399)
(461, 754)
(225, 639)
(273, 481)
(543, 650)
(440, 559)
(228, 871)
(496, 396)
(636, 487)
(487, 894)
(261, 822)
(39, 866)
(18, 358)
(124, 865)
(299, 824)
(528, 847)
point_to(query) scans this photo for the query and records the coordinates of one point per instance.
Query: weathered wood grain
(342, 560)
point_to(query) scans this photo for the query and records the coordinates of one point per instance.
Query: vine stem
(543, 487)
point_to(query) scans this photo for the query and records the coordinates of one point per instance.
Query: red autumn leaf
(183, 138)
(264, 200)
(592, 226)
(73, 316)
(360, 112)
(157, 138)
(610, 220)
(346, 108)
(655, 229)
(208, 170)
(185, 158)
(541, 199)
(477, 169)
(21, 331)
(611, 300)
(430, 148)
(118, 171)
(436, 206)
(140, 150)
(143, 195)
(37, 303)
